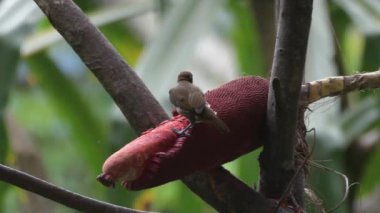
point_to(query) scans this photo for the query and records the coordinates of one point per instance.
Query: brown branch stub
(277, 159)
(52, 192)
(117, 77)
(338, 85)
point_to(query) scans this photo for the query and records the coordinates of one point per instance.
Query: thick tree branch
(277, 160)
(130, 94)
(57, 194)
(232, 195)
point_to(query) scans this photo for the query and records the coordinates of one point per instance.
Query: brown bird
(190, 101)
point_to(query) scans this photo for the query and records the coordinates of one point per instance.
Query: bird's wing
(178, 97)
(197, 100)
(172, 97)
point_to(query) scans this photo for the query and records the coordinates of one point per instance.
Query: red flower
(159, 155)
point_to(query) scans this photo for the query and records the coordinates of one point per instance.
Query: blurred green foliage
(75, 125)
(9, 56)
(246, 40)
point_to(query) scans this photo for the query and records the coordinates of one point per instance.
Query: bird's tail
(210, 117)
(220, 125)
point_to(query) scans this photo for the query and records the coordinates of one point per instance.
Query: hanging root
(339, 85)
(315, 200)
(310, 193)
(346, 184)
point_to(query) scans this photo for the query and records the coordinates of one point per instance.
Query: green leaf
(15, 18)
(371, 176)
(361, 118)
(246, 167)
(176, 197)
(9, 56)
(352, 50)
(364, 19)
(327, 185)
(87, 5)
(104, 16)
(3, 151)
(125, 41)
(371, 55)
(88, 132)
(373, 6)
(17, 15)
(246, 40)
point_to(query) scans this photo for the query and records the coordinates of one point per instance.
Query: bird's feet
(182, 133)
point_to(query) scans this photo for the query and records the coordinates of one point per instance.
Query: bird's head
(185, 76)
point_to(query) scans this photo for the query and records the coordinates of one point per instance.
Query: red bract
(159, 155)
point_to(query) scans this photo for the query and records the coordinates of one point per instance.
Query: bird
(190, 101)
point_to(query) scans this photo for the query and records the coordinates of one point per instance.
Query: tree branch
(52, 192)
(338, 85)
(236, 196)
(113, 72)
(130, 93)
(277, 159)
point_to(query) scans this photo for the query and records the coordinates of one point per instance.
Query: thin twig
(60, 195)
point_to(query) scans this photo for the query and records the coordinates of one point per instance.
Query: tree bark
(277, 161)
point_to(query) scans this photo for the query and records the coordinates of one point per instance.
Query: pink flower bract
(159, 155)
